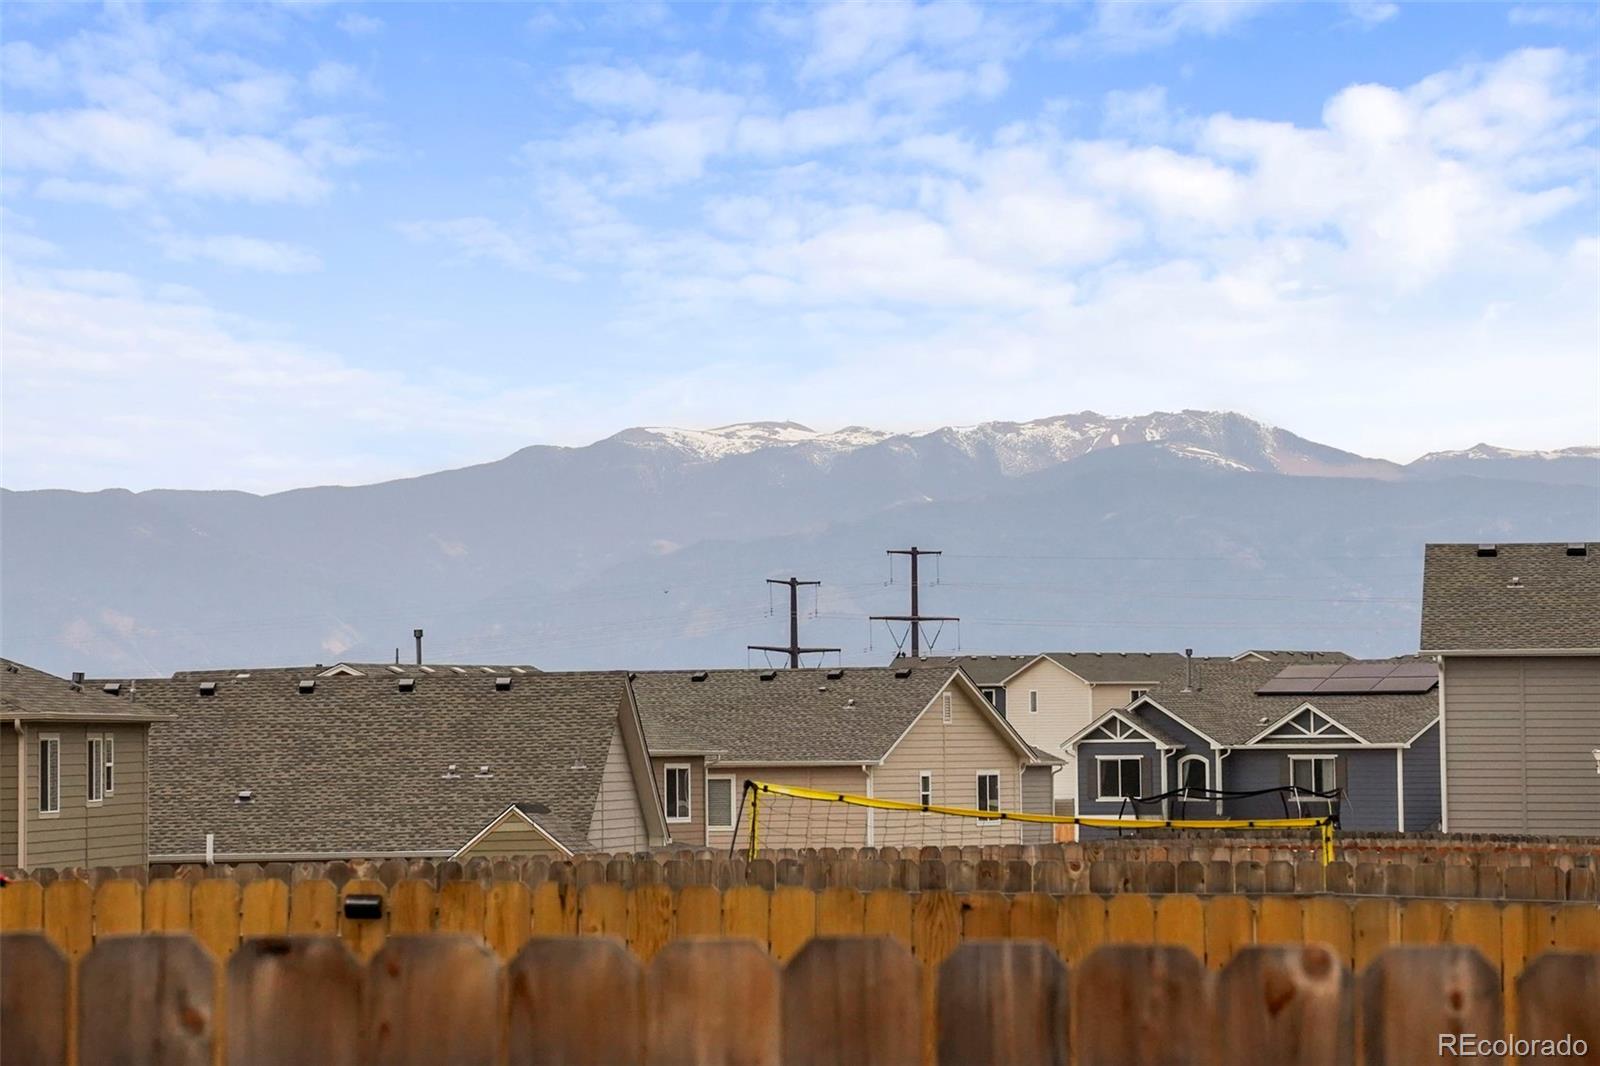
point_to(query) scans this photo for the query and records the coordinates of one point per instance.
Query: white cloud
(105, 194)
(472, 238)
(330, 78)
(1118, 26)
(1372, 12)
(1573, 16)
(358, 25)
(245, 253)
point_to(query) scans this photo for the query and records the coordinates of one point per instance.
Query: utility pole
(794, 650)
(915, 618)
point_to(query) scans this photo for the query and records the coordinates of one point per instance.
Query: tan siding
(791, 823)
(955, 753)
(9, 740)
(1518, 736)
(1037, 798)
(1107, 697)
(108, 833)
(1066, 705)
(512, 837)
(116, 828)
(617, 823)
(58, 840)
(693, 831)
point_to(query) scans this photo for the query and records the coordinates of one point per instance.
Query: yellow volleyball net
(776, 816)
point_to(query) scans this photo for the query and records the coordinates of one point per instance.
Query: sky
(260, 247)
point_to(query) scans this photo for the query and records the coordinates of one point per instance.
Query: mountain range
(650, 548)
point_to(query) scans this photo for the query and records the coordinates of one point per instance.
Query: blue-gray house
(1366, 730)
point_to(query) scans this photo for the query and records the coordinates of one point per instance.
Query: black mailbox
(363, 906)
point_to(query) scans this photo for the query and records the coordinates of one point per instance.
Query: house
(259, 766)
(912, 732)
(1366, 729)
(73, 779)
(1516, 632)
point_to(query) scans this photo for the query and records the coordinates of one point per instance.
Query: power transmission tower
(794, 650)
(915, 618)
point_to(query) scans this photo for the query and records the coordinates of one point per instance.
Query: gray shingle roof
(33, 694)
(1227, 708)
(1121, 667)
(985, 670)
(355, 767)
(1471, 603)
(795, 716)
(389, 669)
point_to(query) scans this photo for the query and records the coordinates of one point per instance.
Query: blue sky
(259, 247)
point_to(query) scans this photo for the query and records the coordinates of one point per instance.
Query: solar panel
(1416, 670)
(1364, 670)
(1405, 684)
(1337, 685)
(1288, 685)
(1306, 671)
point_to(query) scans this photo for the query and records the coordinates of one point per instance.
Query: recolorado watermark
(1471, 1046)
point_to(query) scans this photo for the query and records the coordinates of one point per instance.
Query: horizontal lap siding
(1066, 705)
(1038, 798)
(694, 830)
(617, 823)
(1519, 733)
(116, 828)
(513, 837)
(9, 740)
(58, 840)
(1422, 782)
(793, 823)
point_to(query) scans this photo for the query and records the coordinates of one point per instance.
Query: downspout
(1444, 766)
(1222, 753)
(866, 768)
(22, 793)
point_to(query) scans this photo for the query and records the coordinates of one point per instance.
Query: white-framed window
(1314, 773)
(988, 790)
(1136, 694)
(948, 708)
(49, 773)
(1194, 771)
(925, 787)
(1117, 776)
(720, 809)
(108, 776)
(1033, 701)
(676, 792)
(94, 768)
(989, 694)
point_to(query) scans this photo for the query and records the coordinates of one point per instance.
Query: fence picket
(1286, 1005)
(1081, 926)
(214, 916)
(1412, 996)
(364, 936)
(507, 917)
(166, 906)
(577, 1001)
(1180, 920)
(746, 913)
(793, 920)
(460, 908)
(1164, 988)
(699, 911)
(1374, 925)
(148, 1000)
(286, 995)
(411, 903)
(650, 919)
(841, 911)
(1034, 915)
(33, 999)
(855, 1000)
(313, 907)
(1230, 925)
(69, 916)
(1130, 919)
(1280, 920)
(1003, 1001)
(712, 1002)
(118, 907)
(433, 998)
(1557, 996)
(985, 915)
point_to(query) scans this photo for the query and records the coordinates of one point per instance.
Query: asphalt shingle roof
(356, 766)
(1226, 707)
(1471, 603)
(33, 694)
(793, 716)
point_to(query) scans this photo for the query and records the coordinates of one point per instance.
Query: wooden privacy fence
(507, 914)
(954, 869)
(161, 1000)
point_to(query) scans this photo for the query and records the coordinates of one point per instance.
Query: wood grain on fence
(147, 999)
(430, 999)
(578, 1001)
(33, 999)
(1286, 1005)
(1003, 1001)
(286, 995)
(852, 1000)
(1400, 1027)
(713, 1002)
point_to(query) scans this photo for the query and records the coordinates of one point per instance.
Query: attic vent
(307, 686)
(518, 670)
(406, 684)
(208, 688)
(111, 687)
(902, 674)
(425, 669)
(450, 773)
(1577, 549)
(483, 774)
(1515, 583)
(394, 670)
(458, 670)
(698, 675)
(241, 675)
(245, 795)
(1487, 551)
(834, 675)
(487, 669)
(502, 684)
(768, 675)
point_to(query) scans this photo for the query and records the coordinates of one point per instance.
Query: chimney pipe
(418, 634)
(77, 678)
(1188, 669)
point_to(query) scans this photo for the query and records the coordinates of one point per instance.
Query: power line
(916, 617)
(794, 650)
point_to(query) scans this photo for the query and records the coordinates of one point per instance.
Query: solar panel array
(1352, 679)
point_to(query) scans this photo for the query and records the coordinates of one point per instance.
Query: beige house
(73, 781)
(915, 733)
(1516, 631)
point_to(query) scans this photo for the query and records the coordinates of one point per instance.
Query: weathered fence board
(1003, 1001)
(146, 1000)
(577, 1001)
(33, 999)
(852, 1001)
(1400, 1027)
(431, 999)
(712, 1002)
(1159, 996)
(286, 995)
(1285, 1005)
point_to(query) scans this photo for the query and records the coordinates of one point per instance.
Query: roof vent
(502, 684)
(241, 675)
(483, 774)
(450, 773)
(851, 702)
(307, 685)
(902, 674)
(457, 669)
(768, 675)
(208, 688)
(1487, 551)
(822, 688)
(425, 669)
(77, 679)
(487, 669)
(406, 684)
(698, 675)
(244, 795)
(1577, 550)
(111, 687)
(1515, 583)
(834, 675)
(395, 670)
(518, 670)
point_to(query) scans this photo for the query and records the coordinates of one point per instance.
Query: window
(719, 803)
(95, 768)
(948, 708)
(1194, 772)
(1118, 776)
(677, 793)
(925, 787)
(1033, 701)
(988, 790)
(988, 694)
(50, 774)
(108, 776)
(1314, 773)
(1137, 694)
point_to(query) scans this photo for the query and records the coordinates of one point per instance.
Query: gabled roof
(986, 671)
(362, 670)
(541, 818)
(1142, 724)
(356, 766)
(1112, 667)
(802, 716)
(1511, 597)
(33, 695)
(1226, 707)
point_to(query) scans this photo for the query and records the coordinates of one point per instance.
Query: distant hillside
(1169, 530)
